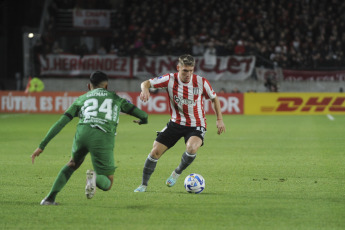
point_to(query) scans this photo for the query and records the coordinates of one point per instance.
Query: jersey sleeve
(54, 130)
(73, 110)
(131, 109)
(160, 82)
(208, 90)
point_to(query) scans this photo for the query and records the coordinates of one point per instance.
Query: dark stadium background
(306, 35)
(16, 16)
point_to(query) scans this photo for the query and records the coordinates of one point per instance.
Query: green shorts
(99, 144)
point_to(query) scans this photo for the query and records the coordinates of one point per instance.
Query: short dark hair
(186, 60)
(97, 77)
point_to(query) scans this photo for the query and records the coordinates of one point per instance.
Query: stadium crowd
(299, 34)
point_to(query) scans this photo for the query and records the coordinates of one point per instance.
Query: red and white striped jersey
(186, 99)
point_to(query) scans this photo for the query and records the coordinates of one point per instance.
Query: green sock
(103, 182)
(60, 181)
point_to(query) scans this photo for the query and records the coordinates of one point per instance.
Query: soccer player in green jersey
(98, 111)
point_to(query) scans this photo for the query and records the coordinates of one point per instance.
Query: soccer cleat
(141, 188)
(172, 179)
(90, 188)
(45, 201)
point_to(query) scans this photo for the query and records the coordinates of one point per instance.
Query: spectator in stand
(101, 50)
(197, 48)
(210, 55)
(222, 90)
(271, 83)
(240, 49)
(235, 90)
(56, 49)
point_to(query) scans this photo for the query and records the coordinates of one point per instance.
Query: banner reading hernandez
(226, 68)
(91, 19)
(69, 65)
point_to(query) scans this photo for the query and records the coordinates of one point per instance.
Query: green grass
(265, 172)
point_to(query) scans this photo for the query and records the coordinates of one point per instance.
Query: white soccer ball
(194, 183)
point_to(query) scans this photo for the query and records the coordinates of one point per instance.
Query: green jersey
(99, 108)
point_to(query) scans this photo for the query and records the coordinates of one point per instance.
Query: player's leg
(66, 171)
(189, 155)
(60, 181)
(101, 146)
(194, 138)
(150, 164)
(165, 140)
(100, 181)
(187, 158)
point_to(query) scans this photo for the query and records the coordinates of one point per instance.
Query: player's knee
(108, 189)
(192, 148)
(111, 178)
(155, 154)
(72, 164)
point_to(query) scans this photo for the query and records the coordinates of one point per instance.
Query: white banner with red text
(69, 65)
(91, 19)
(58, 102)
(236, 68)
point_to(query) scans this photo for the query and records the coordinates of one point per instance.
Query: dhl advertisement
(294, 103)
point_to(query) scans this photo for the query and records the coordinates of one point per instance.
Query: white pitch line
(5, 116)
(330, 117)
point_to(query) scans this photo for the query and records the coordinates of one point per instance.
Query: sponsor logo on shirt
(184, 101)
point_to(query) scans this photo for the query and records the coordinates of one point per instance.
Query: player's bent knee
(192, 148)
(155, 153)
(72, 164)
(107, 189)
(193, 144)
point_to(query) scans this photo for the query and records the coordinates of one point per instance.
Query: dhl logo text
(316, 104)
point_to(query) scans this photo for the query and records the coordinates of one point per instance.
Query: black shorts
(172, 133)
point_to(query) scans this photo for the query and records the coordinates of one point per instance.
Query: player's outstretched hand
(137, 121)
(145, 95)
(36, 153)
(140, 122)
(220, 127)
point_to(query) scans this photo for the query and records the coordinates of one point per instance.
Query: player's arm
(131, 109)
(142, 115)
(145, 90)
(53, 131)
(216, 108)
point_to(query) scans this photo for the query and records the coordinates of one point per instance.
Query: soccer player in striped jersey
(98, 111)
(186, 92)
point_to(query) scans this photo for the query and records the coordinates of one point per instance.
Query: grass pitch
(265, 172)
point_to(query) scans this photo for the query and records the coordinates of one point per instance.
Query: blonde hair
(186, 60)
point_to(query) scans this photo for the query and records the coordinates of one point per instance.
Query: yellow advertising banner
(294, 103)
